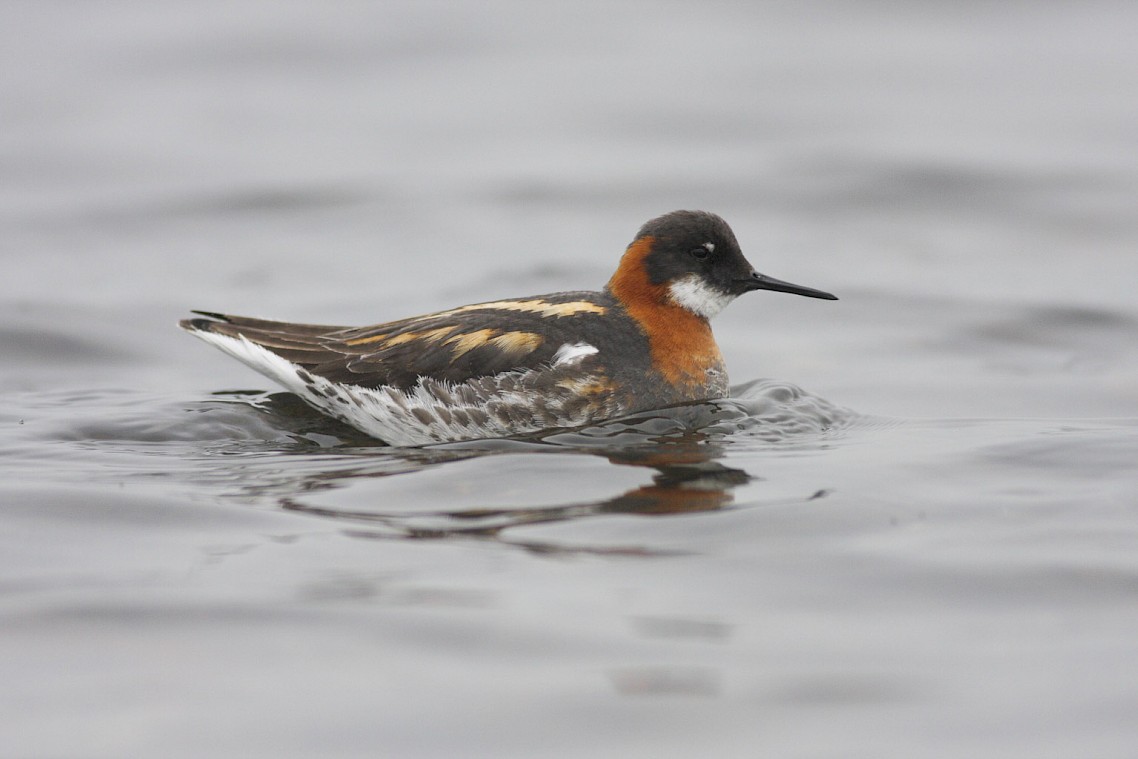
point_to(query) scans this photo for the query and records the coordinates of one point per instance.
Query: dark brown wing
(299, 343)
(456, 345)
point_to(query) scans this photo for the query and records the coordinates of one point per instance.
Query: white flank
(254, 356)
(572, 352)
(692, 293)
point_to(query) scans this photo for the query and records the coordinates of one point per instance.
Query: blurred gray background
(952, 575)
(952, 170)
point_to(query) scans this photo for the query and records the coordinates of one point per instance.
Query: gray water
(913, 530)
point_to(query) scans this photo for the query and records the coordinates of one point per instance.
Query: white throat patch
(692, 293)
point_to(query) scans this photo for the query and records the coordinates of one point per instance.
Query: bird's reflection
(686, 475)
(684, 481)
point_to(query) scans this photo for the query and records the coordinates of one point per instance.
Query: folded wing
(453, 346)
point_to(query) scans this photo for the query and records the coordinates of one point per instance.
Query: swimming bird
(510, 367)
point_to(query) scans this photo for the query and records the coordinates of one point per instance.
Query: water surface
(911, 531)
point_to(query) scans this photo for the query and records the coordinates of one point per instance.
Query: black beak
(762, 282)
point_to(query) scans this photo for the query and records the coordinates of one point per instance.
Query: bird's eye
(700, 253)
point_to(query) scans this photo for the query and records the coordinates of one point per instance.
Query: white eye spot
(696, 295)
(710, 246)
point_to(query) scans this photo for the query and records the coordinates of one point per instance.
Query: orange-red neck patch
(682, 346)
